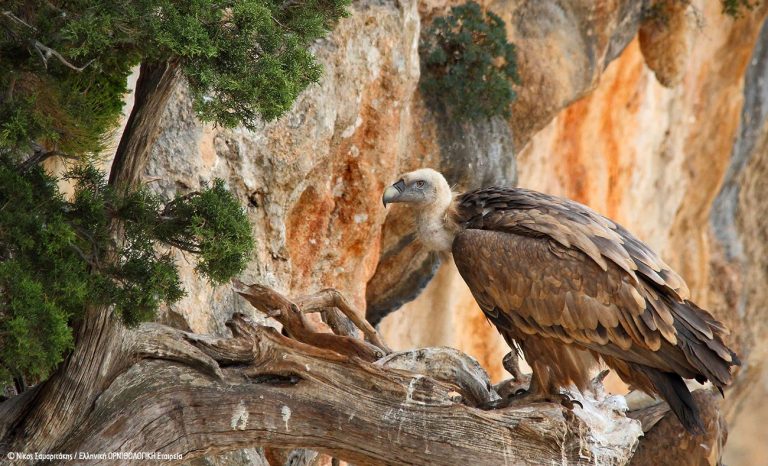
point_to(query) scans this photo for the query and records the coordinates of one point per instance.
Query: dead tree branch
(279, 392)
(43, 50)
(46, 53)
(194, 395)
(332, 298)
(290, 316)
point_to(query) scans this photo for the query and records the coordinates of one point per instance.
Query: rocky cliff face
(683, 167)
(311, 180)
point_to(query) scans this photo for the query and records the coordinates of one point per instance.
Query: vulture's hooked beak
(392, 193)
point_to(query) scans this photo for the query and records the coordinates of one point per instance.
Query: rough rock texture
(739, 273)
(684, 168)
(665, 39)
(312, 180)
(564, 46)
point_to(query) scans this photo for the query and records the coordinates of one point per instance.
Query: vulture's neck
(435, 226)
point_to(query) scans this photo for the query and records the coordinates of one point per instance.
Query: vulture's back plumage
(569, 286)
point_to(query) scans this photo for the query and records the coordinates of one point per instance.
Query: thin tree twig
(40, 156)
(332, 298)
(43, 50)
(46, 52)
(15, 18)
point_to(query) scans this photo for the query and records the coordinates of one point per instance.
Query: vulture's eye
(420, 184)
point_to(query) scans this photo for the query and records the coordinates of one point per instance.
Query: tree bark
(195, 395)
(51, 410)
(153, 89)
(48, 412)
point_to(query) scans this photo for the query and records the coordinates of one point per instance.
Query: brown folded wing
(556, 269)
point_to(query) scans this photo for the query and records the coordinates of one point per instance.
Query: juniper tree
(737, 8)
(468, 66)
(63, 72)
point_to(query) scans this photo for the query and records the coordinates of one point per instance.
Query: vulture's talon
(569, 402)
(519, 396)
(512, 365)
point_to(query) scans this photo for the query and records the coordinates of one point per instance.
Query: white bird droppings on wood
(412, 389)
(613, 437)
(286, 412)
(239, 417)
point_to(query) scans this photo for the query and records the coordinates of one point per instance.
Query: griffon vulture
(569, 287)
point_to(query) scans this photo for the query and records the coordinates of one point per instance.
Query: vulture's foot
(518, 397)
(568, 402)
(525, 397)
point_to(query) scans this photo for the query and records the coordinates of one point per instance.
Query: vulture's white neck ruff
(434, 227)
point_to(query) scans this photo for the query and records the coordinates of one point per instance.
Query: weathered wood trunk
(162, 390)
(153, 89)
(43, 418)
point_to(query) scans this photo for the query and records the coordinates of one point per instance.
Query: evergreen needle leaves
(468, 66)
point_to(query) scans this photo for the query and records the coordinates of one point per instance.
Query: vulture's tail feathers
(706, 352)
(673, 390)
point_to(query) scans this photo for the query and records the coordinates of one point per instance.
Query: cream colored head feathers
(431, 196)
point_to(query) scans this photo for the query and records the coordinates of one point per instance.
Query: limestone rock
(312, 179)
(665, 39)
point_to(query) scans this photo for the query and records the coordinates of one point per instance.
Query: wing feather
(571, 225)
(541, 290)
(555, 268)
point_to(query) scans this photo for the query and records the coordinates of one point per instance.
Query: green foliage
(735, 8)
(57, 256)
(468, 66)
(35, 307)
(233, 87)
(212, 225)
(64, 64)
(35, 333)
(63, 73)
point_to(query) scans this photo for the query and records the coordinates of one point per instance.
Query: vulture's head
(423, 187)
